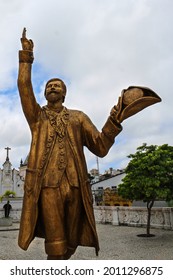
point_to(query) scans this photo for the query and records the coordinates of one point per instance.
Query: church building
(11, 179)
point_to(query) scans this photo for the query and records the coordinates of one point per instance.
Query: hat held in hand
(134, 99)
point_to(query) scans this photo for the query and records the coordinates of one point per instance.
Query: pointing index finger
(24, 33)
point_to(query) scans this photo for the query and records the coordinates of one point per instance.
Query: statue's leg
(61, 212)
(73, 216)
(52, 216)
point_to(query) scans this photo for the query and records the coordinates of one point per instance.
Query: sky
(99, 48)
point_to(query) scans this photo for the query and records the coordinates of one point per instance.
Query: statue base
(6, 222)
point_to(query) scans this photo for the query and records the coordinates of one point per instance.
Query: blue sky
(98, 47)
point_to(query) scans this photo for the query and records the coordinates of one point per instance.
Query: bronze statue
(57, 203)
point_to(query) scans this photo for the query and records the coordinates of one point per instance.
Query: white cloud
(99, 47)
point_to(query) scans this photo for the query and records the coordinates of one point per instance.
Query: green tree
(7, 194)
(149, 176)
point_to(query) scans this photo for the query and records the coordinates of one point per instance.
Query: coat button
(61, 145)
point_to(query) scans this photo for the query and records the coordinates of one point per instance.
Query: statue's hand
(27, 44)
(115, 112)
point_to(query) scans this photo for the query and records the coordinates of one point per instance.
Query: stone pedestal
(6, 222)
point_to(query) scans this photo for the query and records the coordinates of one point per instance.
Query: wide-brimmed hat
(134, 99)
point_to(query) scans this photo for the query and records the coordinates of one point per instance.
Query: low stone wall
(161, 217)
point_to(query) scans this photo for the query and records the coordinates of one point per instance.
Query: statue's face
(54, 91)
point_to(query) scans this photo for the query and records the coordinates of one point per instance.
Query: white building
(11, 179)
(111, 182)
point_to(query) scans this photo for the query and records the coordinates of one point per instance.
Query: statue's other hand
(27, 44)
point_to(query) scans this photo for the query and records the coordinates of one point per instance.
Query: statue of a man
(57, 204)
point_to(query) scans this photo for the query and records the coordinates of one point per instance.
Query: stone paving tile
(116, 243)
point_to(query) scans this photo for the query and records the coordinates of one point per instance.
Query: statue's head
(58, 85)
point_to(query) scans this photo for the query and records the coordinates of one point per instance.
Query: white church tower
(10, 179)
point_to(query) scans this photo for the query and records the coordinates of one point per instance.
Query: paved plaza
(116, 243)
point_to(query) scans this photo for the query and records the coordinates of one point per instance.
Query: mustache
(52, 91)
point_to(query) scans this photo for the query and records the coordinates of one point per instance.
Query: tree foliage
(149, 176)
(7, 194)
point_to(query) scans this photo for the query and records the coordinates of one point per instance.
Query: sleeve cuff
(26, 56)
(111, 129)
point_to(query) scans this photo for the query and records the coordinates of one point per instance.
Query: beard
(54, 96)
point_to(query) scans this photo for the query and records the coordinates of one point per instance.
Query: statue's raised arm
(26, 92)
(27, 44)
